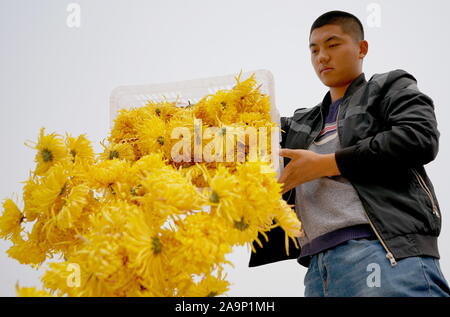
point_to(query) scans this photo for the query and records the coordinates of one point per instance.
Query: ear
(363, 48)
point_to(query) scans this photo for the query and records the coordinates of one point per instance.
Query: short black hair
(349, 23)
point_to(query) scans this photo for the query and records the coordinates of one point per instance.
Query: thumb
(288, 153)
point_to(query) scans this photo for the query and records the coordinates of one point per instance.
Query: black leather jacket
(388, 131)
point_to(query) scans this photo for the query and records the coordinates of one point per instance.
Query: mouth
(326, 70)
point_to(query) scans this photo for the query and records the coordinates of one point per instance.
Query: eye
(333, 45)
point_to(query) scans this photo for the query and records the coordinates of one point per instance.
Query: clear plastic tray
(191, 91)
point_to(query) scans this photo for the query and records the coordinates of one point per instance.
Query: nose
(323, 57)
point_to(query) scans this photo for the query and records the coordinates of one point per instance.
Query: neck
(339, 92)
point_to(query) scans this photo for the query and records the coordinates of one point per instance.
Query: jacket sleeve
(409, 137)
(284, 126)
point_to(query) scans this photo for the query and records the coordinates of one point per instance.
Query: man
(354, 170)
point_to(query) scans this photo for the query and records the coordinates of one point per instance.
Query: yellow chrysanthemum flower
(80, 148)
(121, 151)
(223, 192)
(10, 220)
(63, 278)
(126, 122)
(195, 175)
(31, 208)
(255, 119)
(168, 193)
(106, 174)
(152, 135)
(47, 197)
(287, 219)
(204, 238)
(72, 206)
(164, 110)
(27, 252)
(31, 292)
(148, 247)
(51, 150)
(210, 286)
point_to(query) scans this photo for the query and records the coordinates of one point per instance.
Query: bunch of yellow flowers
(134, 221)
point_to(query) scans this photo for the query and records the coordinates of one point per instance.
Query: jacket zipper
(389, 254)
(427, 191)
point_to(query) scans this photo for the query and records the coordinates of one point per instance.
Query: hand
(305, 166)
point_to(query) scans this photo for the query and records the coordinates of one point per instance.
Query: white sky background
(61, 78)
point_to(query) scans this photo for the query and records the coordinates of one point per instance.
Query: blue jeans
(360, 268)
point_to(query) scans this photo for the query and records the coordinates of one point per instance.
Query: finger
(287, 153)
(284, 175)
(300, 234)
(285, 190)
(282, 178)
(286, 187)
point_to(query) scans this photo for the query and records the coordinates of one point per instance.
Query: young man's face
(336, 57)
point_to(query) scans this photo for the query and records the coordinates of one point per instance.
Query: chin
(329, 82)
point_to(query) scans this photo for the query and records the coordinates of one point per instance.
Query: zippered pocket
(427, 191)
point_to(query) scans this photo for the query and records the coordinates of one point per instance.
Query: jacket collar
(356, 83)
